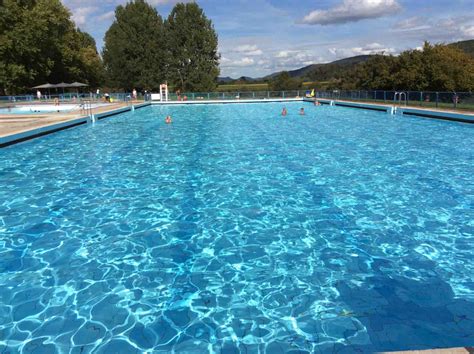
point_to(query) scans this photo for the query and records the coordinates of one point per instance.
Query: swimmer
(316, 103)
(301, 111)
(284, 112)
(168, 120)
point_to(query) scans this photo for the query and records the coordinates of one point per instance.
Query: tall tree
(433, 68)
(284, 81)
(92, 69)
(38, 43)
(193, 60)
(134, 47)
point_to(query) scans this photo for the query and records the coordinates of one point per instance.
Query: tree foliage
(39, 43)
(283, 81)
(134, 53)
(191, 41)
(433, 68)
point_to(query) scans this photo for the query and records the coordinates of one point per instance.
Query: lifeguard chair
(164, 92)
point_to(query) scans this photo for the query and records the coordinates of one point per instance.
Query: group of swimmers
(284, 111)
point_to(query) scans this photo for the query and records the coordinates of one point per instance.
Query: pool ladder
(402, 97)
(87, 106)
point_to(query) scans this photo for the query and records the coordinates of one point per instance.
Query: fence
(63, 98)
(447, 100)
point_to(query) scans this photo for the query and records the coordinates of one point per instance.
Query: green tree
(134, 54)
(193, 60)
(284, 82)
(92, 69)
(447, 68)
(433, 68)
(38, 43)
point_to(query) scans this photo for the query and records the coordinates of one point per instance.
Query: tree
(434, 68)
(284, 81)
(193, 60)
(38, 43)
(91, 64)
(134, 53)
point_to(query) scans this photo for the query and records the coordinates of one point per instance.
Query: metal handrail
(452, 100)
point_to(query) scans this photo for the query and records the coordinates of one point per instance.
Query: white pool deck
(16, 128)
(251, 100)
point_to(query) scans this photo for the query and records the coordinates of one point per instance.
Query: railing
(428, 99)
(447, 100)
(63, 98)
(235, 95)
(86, 106)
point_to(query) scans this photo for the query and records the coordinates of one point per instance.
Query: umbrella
(78, 84)
(47, 86)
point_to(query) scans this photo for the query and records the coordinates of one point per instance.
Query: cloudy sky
(258, 37)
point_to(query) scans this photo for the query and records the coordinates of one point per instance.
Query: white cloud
(468, 31)
(283, 54)
(248, 49)
(448, 29)
(229, 63)
(80, 15)
(107, 16)
(371, 48)
(293, 59)
(352, 11)
(412, 24)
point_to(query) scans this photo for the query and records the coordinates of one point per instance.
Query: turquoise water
(236, 230)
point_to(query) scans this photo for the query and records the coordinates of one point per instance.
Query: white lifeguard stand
(164, 92)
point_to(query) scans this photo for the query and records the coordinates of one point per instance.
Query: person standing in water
(284, 112)
(301, 111)
(168, 120)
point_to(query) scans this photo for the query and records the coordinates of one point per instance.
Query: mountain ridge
(326, 69)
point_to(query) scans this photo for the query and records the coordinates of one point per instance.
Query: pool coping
(25, 135)
(22, 136)
(236, 100)
(401, 110)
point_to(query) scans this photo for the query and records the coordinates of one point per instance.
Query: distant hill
(305, 72)
(328, 71)
(224, 80)
(466, 46)
(242, 79)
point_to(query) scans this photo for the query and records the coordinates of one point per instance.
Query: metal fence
(446, 100)
(63, 98)
(236, 95)
(428, 99)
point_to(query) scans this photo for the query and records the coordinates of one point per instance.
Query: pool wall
(264, 100)
(49, 129)
(390, 109)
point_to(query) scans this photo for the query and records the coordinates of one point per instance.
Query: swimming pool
(44, 108)
(234, 229)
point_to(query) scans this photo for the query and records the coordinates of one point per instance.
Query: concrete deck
(388, 105)
(16, 123)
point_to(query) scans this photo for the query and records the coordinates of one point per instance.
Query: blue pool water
(237, 230)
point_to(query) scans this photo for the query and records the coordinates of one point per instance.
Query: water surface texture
(236, 230)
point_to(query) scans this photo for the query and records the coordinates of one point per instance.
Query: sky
(259, 37)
